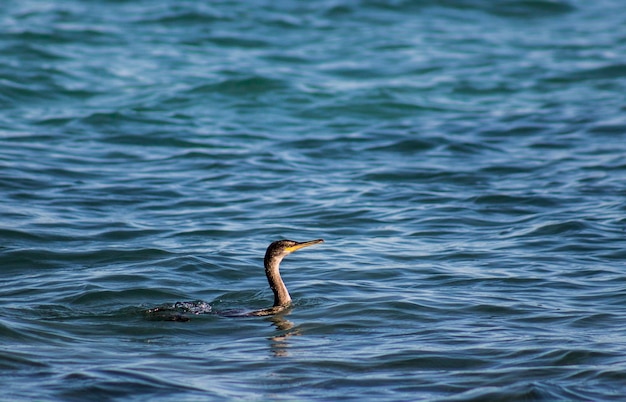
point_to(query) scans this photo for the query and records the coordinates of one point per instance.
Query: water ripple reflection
(464, 161)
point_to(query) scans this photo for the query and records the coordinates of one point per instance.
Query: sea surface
(464, 161)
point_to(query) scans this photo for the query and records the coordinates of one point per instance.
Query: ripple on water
(469, 186)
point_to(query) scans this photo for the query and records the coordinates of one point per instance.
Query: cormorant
(273, 256)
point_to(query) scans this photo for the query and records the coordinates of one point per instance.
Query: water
(464, 161)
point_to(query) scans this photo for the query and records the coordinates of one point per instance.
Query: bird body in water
(282, 300)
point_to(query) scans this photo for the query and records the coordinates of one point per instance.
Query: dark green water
(464, 160)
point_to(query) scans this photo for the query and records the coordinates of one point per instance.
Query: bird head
(281, 248)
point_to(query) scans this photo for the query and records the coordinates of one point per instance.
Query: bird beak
(304, 244)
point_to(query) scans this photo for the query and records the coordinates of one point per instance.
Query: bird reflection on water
(279, 345)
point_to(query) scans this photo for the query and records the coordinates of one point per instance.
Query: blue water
(464, 160)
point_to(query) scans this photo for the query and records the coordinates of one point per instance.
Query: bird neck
(281, 295)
